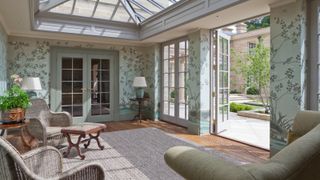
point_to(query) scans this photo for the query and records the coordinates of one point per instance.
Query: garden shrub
(234, 107)
(252, 91)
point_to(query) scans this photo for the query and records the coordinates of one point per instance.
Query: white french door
(174, 107)
(84, 86)
(220, 81)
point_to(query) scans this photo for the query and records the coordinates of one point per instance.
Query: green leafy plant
(253, 91)
(14, 97)
(234, 107)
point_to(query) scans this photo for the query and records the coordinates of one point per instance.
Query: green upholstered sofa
(300, 160)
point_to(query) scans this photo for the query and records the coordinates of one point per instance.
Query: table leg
(76, 145)
(96, 137)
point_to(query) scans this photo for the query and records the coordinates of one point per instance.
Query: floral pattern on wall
(199, 76)
(3, 59)
(287, 84)
(31, 57)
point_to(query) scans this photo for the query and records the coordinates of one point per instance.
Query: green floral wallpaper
(31, 57)
(3, 57)
(287, 84)
(199, 70)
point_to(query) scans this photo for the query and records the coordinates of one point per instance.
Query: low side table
(29, 141)
(82, 130)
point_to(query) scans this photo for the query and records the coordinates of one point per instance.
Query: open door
(220, 81)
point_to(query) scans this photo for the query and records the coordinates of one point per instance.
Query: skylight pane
(141, 11)
(64, 8)
(121, 15)
(104, 11)
(148, 5)
(164, 3)
(84, 8)
(114, 2)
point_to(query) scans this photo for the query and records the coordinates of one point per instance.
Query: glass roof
(129, 11)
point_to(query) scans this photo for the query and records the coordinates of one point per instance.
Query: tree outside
(254, 67)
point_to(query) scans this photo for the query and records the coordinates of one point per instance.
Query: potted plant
(14, 101)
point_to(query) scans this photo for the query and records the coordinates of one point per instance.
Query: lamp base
(139, 93)
(32, 94)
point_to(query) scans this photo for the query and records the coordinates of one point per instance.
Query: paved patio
(248, 130)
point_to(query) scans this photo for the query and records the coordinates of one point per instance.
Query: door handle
(213, 94)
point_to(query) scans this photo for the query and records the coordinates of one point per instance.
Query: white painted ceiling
(15, 17)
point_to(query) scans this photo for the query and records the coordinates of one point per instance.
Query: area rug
(136, 154)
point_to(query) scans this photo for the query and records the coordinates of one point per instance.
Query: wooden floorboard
(235, 149)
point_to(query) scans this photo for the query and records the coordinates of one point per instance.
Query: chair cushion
(53, 131)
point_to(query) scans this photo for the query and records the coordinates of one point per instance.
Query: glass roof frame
(128, 11)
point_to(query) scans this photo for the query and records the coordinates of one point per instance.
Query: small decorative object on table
(14, 102)
(139, 83)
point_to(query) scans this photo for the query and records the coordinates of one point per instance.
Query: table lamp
(31, 84)
(139, 83)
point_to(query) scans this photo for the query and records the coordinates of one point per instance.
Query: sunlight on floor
(248, 130)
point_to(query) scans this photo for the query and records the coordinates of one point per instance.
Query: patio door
(220, 83)
(85, 86)
(174, 107)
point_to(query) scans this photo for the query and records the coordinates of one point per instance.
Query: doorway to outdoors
(240, 82)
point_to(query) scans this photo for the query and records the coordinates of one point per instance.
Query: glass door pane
(174, 75)
(72, 85)
(220, 58)
(100, 87)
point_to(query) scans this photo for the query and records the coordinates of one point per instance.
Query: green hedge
(252, 91)
(234, 107)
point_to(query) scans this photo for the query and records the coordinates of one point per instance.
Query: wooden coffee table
(82, 130)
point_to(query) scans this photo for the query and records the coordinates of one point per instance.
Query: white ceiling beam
(130, 11)
(50, 4)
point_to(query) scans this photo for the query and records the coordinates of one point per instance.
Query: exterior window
(174, 74)
(251, 47)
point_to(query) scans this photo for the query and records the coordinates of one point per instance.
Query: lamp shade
(139, 82)
(31, 83)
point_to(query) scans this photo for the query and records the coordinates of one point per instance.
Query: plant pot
(16, 114)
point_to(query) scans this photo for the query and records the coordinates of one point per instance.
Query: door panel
(85, 86)
(72, 84)
(220, 83)
(174, 73)
(100, 88)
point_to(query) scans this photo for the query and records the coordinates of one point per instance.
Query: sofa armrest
(194, 164)
(38, 129)
(44, 162)
(92, 171)
(61, 119)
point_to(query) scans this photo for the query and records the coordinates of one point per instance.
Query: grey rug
(136, 154)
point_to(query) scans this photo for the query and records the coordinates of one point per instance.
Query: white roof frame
(50, 4)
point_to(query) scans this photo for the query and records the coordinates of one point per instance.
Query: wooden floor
(241, 151)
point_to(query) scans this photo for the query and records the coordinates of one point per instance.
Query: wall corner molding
(281, 3)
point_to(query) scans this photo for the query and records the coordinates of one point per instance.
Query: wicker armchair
(46, 125)
(42, 163)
